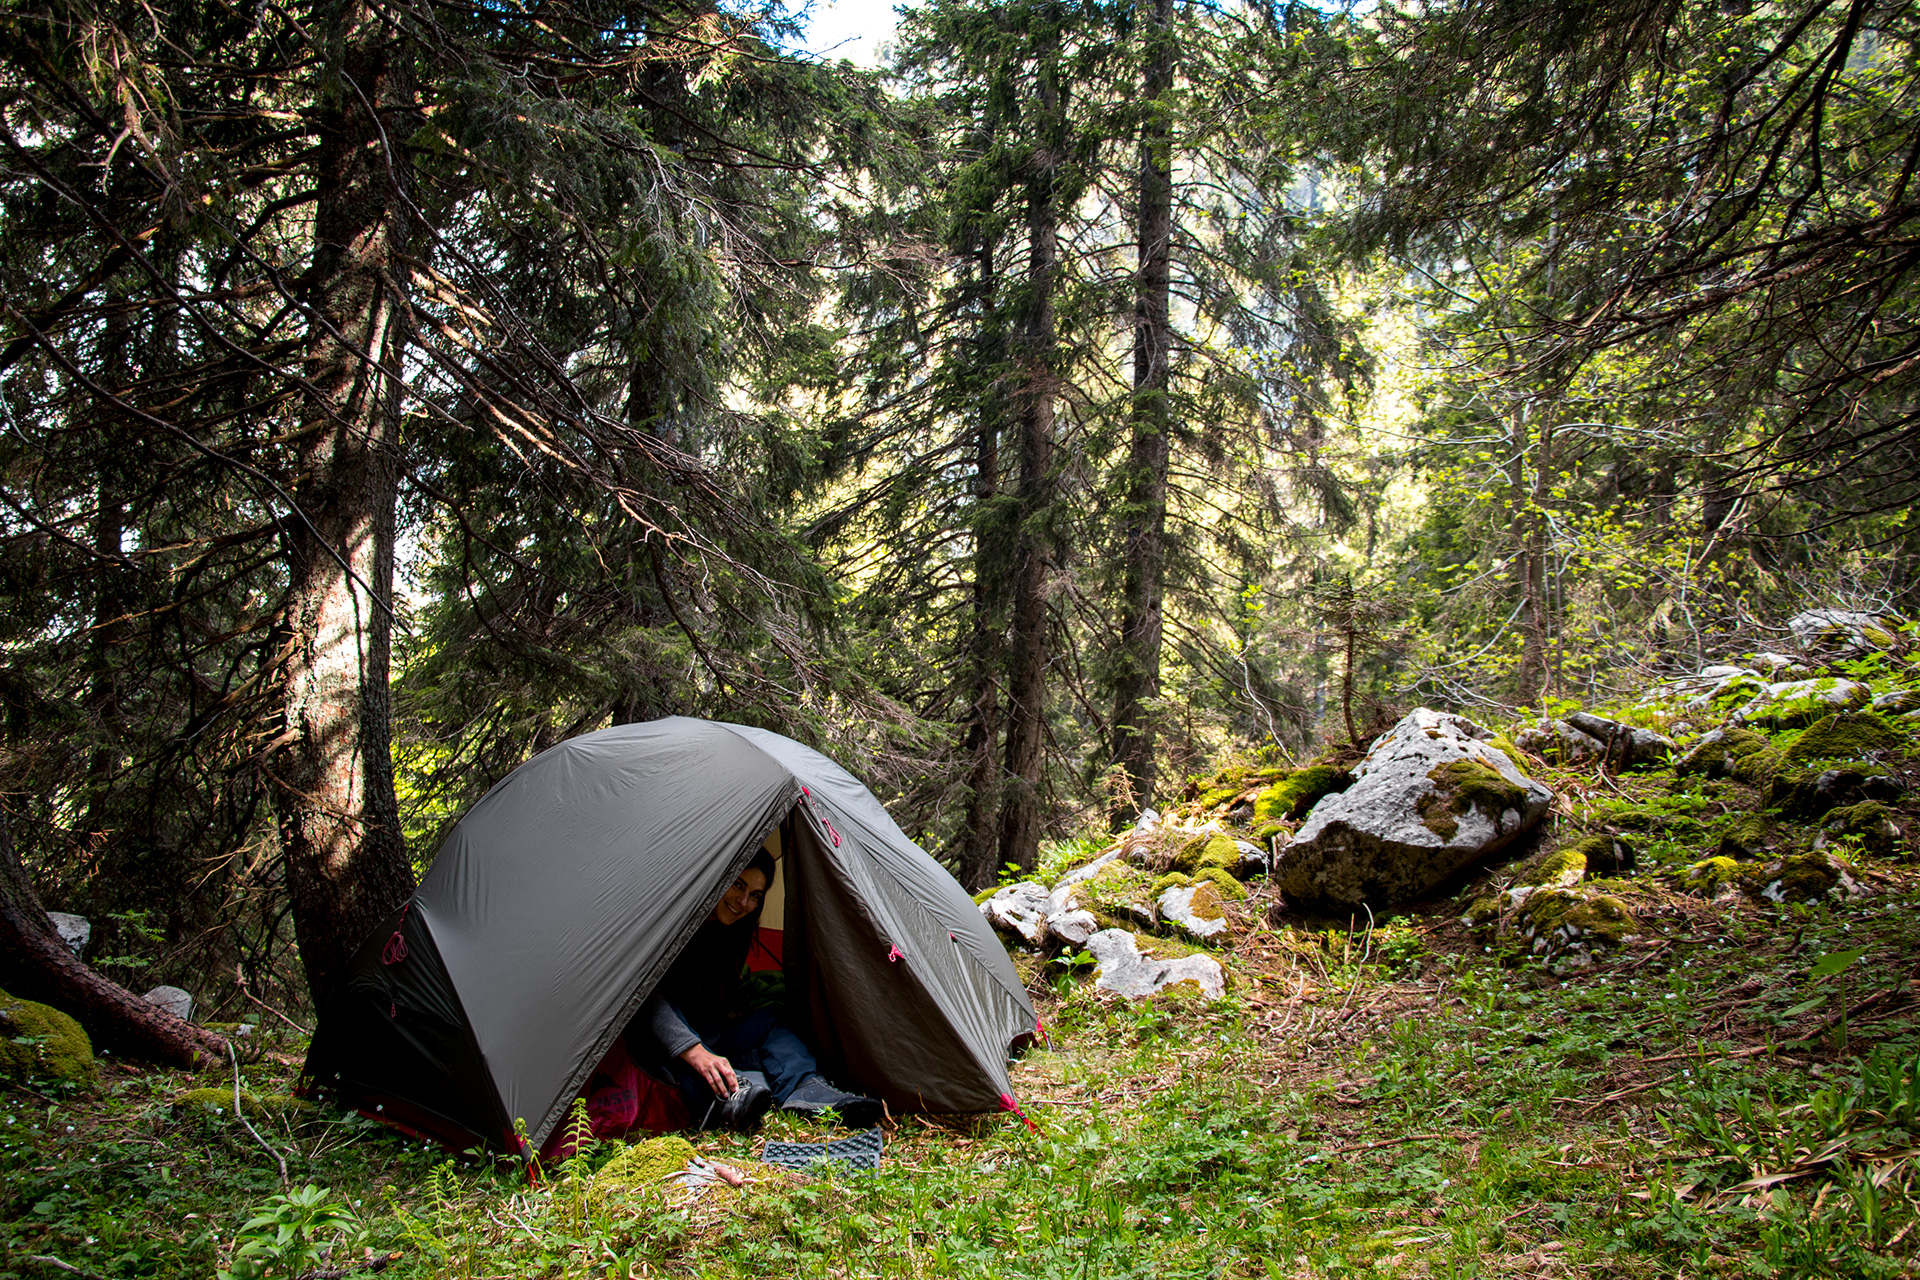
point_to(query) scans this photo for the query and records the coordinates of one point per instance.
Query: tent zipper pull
(895, 953)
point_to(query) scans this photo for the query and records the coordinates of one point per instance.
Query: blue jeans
(758, 1042)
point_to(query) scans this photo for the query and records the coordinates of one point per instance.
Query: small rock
(1774, 663)
(73, 930)
(1148, 821)
(1072, 928)
(1896, 702)
(1716, 878)
(1195, 908)
(1019, 909)
(173, 1000)
(1254, 861)
(1122, 969)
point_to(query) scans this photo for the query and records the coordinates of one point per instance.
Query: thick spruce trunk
(978, 841)
(1033, 546)
(339, 824)
(1144, 522)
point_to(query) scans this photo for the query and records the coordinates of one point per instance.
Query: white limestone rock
(1019, 909)
(1430, 799)
(1120, 968)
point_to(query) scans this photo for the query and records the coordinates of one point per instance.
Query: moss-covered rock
(1171, 880)
(1561, 869)
(1805, 877)
(1715, 877)
(1199, 855)
(1813, 791)
(38, 1042)
(1115, 887)
(1851, 735)
(1484, 912)
(643, 1166)
(1289, 798)
(1461, 786)
(1718, 752)
(1560, 920)
(1750, 836)
(1225, 883)
(1870, 826)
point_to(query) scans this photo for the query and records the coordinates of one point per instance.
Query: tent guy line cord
(240, 1114)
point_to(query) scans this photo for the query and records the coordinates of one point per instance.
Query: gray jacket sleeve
(667, 1028)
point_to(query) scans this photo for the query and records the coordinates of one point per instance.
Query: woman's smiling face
(744, 898)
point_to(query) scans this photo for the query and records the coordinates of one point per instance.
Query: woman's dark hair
(763, 863)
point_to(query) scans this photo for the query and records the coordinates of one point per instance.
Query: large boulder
(1819, 630)
(1431, 798)
(1121, 968)
(39, 1042)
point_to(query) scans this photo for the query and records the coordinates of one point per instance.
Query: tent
(476, 1011)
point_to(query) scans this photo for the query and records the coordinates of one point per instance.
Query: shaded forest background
(391, 391)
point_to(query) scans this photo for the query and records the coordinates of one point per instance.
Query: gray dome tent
(561, 898)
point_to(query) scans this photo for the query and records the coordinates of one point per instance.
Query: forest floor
(1733, 1091)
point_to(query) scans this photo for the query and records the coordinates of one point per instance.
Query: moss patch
(1747, 838)
(38, 1041)
(1712, 877)
(1562, 868)
(1291, 797)
(643, 1166)
(1461, 786)
(1850, 735)
(1718, 754)
(1225, 883)
(1870, 824)
(1198, 856)
(1171, 880)
(1585, 917)
(219, 1102)
(984, 894)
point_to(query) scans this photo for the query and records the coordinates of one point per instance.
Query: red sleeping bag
(621, 1098)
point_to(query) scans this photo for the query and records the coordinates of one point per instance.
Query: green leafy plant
(290, 1234)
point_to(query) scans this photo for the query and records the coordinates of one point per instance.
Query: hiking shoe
(742, 1111)
(813, 1095)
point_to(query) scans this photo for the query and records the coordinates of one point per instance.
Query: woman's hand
(714, 1069)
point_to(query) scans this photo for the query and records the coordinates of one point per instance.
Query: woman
(732, 1066)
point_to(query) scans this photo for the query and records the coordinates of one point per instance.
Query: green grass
(1438, 1110)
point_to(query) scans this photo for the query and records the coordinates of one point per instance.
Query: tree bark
(338, 816)
(1033, 548)
(978, 839)
(1144, 528)
(1528, 494)
(39, 966)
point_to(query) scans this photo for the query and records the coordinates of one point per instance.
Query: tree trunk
(339, 822)
(1529, 532)
(978, 841)
(1144, 528)
(38, 966)
(1033, 548)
